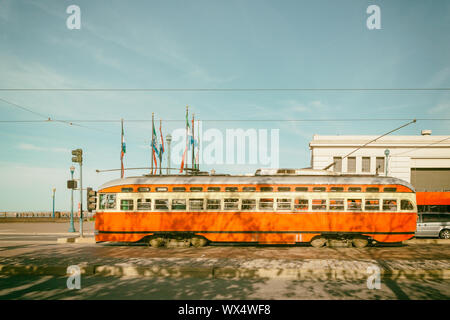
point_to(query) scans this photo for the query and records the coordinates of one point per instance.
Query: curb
(427, 241)
(227, 273)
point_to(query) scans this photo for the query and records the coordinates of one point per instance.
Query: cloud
(31, 147)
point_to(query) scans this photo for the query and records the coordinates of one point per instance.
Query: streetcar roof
(257, 180)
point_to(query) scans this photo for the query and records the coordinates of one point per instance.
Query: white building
(422, 160)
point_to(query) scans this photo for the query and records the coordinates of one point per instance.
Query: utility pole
(169, 140)
(71, 228)
(53, 196)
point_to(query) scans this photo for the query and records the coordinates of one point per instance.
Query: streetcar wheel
(156, 242)
(444, 234)
(360, 242)
(198, 242)
(318, 242)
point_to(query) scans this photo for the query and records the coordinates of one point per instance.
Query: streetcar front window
(108, 201)
(406, 205)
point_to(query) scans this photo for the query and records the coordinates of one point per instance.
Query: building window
(351, 164)
(144, 204)
(365, 164)
(337, 164)
(380, 165)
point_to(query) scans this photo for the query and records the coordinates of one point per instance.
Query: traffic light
(91, 199)
(78, 153)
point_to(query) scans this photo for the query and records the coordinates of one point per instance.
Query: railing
(43, 214)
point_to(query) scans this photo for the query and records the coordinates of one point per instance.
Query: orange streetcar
(269, 207)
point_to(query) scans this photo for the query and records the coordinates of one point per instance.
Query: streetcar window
(301, 204)
(144, 204)
(390, 205)
(301, 189)
(266, 189)
(283, 204)
(390, 190)
(143, 189)
(126, 204)
(196, 189)
(406, 205)
(266, 204)
(127, 190)
(178, 189)
(107, 201)
(372, 189)
(319, 204)
(249, 189)
(231, 204)
(178, 204)
(319, 189)
(161, 204)
(284, 189)
(354, 189)
(248, 204)
(336, 204)
(231, 189)
(336, 189)
(161, 189)
(213, 204)
(213, 189)
(372, 204)
(354, 204)
(196, 204)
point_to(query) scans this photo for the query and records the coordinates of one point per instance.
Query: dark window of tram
(354, 189)
(196, 189)
(283, 204)
(248, 204)
(231, 204)
(390, 205)
(406, 205)
(178, 189)
(196, 204)
(390, 190)
(301, 189)
(178, 204)
(301, 204)
(266, 189)
(354, 204)
(126, 204)
(319, 204)
(266, 204)
(372, 204)
(143, 189)
(372, 189)
(144, 204)
(127, 189)
(161, 189)
(319, 189)
(213, 204)
(213, 189)
(248, 189)
(161, 204)
(108, 201)
(336, 204)
(284, 189)
(231, 189)
(434, 208)
(336, 189)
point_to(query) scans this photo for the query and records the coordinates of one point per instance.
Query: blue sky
(206, 44)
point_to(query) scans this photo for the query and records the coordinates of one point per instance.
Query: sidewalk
(45, 228)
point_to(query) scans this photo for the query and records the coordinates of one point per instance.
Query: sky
(205, 45)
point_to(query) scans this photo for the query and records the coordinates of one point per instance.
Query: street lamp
(53, 196)
(71, 228)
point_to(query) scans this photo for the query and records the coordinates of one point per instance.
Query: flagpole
(193, 142)
(151, 145)
(160, 150)
(187, 118)
(198, 146)
(121, 151)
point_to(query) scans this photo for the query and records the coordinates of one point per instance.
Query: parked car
(433, 224)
